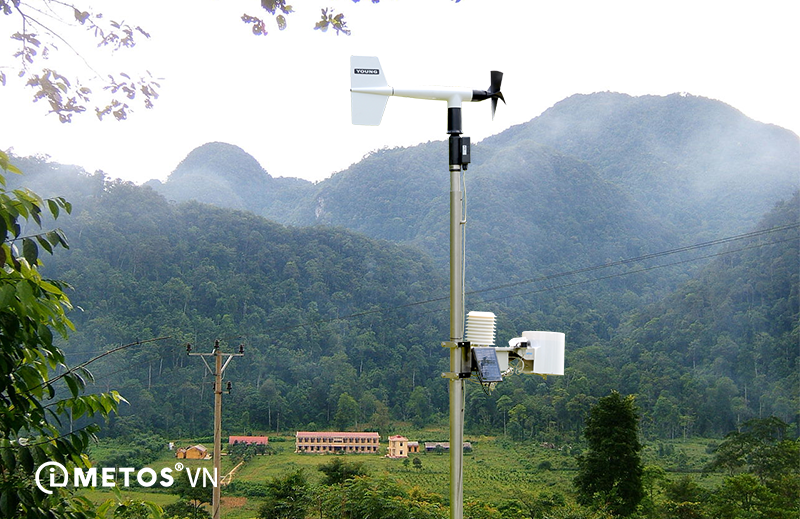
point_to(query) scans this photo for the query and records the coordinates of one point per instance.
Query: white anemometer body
(369, 91)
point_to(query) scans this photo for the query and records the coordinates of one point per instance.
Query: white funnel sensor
(480, 328)
(548, 348)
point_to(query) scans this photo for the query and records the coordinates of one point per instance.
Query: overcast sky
(284, 98)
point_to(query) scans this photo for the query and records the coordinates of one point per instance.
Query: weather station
(474, 351)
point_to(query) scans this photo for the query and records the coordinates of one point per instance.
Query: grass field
(492, 471)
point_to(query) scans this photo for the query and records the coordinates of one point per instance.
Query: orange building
(325, 442)
(195, 452)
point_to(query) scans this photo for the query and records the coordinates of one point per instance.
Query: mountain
(530, 210)
(594, 179)
(695, 162)
(225, 175)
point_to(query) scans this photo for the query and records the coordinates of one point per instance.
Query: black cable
(569, 273)
(549, 277)
(644, 269)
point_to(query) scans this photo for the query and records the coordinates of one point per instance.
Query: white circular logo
(52, 474)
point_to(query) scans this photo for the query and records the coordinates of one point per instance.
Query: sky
(284, 98)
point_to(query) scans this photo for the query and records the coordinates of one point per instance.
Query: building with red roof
(333, 442)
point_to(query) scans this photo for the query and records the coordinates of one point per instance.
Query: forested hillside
(342, 315)
(734, 330)
(594, 180)
(324, 314)
(334, 336)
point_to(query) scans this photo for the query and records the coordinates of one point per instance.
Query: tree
(197, 495)
(337, 471)
(181, 509)
(741, 496)
(39, 38)
(760, 447)
(31, 308)
(287, 497)
(44, 27)
(504, 403)
(762, 467)
(369, 498)
(610, 472)
(419, 406)
(346, 412)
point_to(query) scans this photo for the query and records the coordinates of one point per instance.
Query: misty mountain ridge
(226, 176)
(594, 179)
(689, 159)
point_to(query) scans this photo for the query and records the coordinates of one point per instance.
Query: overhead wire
(558, 275)
(549, 277)
(637, 271)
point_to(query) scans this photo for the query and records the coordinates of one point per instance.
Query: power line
(83, 365)
(519, 283)
(637, 271)
(640, 258)
(584, 270)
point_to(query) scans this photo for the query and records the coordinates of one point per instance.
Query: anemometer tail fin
(369, 91)
(367, 109)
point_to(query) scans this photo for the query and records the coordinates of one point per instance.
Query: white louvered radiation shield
(480, 328)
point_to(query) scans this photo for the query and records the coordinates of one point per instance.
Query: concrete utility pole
(217, 372)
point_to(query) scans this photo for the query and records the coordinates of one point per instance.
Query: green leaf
(53, 238)
(73, 385)
(26, 460)
(9, 461)
(39, 456)
(8, 504)
(44, 243)
(62, 238)
(54, 210)
(30, 251)
(3, 229)
(103, 509)
(4, 162)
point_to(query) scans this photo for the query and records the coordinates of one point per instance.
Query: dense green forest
(330, 317)
(144, 268)
(341, 303)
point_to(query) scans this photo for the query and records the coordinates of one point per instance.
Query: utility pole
(217, 372)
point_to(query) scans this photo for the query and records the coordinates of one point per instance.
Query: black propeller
(493, 93)
(494, 90)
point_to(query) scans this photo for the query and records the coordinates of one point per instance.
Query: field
(494, 471)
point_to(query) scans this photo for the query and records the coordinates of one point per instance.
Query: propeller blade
(493, 93)
(494, 90)
(497, 78)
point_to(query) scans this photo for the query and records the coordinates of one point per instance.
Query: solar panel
(485, 362)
